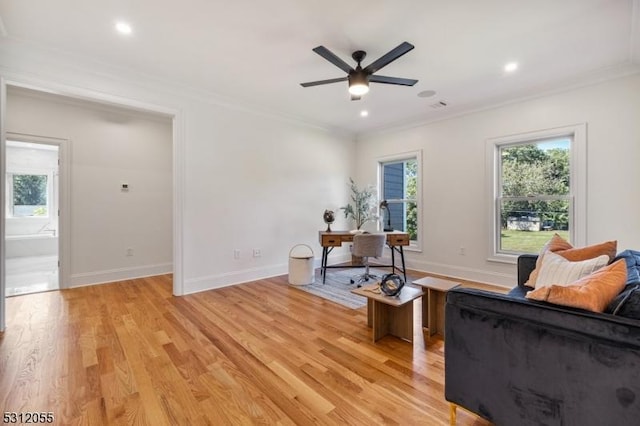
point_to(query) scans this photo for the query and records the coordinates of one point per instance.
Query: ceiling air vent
(439, 104)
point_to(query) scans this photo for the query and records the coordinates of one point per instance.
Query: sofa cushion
(621, 299)
(556, 270)
(560, 246)
(519, 292)
(592, 292)
(630, 305)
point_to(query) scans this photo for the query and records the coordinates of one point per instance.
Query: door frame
(3, 178)
(64, 194)
(178, 136)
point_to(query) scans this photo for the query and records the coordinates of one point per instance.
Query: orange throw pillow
(592, 292)
(583, 253)
(559, 245)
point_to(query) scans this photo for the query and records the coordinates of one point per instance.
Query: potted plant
(363, 208)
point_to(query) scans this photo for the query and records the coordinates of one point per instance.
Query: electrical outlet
(462, 251)
(236, 254)
(257, 252)
(129, 252)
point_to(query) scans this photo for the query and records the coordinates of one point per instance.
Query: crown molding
(592, 78)
(22, 51)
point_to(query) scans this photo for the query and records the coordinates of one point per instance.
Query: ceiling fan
(359, 78)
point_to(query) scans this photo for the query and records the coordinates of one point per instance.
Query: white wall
(253, 179)
(109, 146)
(454, 190)
(247, 178)
(255, 182)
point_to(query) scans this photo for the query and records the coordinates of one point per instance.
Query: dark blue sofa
(518, 362)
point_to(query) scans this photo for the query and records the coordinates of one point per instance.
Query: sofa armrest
(526, 265)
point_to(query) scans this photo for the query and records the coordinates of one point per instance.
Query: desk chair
(366, 246)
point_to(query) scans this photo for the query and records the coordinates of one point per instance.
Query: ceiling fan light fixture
(359, 77)
(358, 83)
(358, 89)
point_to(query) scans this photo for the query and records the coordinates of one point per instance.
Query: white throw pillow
(557, 270)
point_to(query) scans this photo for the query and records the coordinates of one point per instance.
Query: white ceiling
(257, 52)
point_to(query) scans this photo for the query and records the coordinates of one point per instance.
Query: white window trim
(578, 179)
(417, 247)
(30, 171)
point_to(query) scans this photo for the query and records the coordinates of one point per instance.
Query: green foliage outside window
(529, 171)
(411, 175)
(30, 190)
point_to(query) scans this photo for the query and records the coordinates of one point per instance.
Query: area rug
(337, 286)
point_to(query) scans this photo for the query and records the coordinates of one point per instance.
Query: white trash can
(301, 271)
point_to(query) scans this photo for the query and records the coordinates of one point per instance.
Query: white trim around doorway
(64, 203)
(85, 94)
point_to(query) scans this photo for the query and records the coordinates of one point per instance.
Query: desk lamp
(385, 205)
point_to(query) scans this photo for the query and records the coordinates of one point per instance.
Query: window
(538, 189)
(400, 187)
(27, 195)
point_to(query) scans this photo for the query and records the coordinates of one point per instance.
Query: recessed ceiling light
(427, 93)
(364, 113)
(123, 28)
(511, 67)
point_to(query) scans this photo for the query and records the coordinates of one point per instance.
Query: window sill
(510, 259)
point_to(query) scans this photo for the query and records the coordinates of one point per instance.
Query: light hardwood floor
(256, 353)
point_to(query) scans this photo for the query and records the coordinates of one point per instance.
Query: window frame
(577, 187)
(9, 191)
(414, 245)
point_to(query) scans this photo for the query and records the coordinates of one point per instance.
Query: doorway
(32, 225)
(176, 118)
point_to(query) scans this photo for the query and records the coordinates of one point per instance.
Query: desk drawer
(331, 241)
(398, 240)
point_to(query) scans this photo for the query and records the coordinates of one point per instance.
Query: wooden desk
(390, 314)
(330, 239)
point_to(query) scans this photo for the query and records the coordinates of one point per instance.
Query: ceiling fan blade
(355, 98)
(392, 80)
(319, 82)
(331, 57)
(389, 57)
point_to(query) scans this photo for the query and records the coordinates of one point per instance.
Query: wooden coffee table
(390, 314)
(433, 304)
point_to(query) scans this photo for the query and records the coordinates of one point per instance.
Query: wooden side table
(390, 314)
(433, 305)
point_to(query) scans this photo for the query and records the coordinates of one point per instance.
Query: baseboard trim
(121, 274)
(464, 273)
(212, 282)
